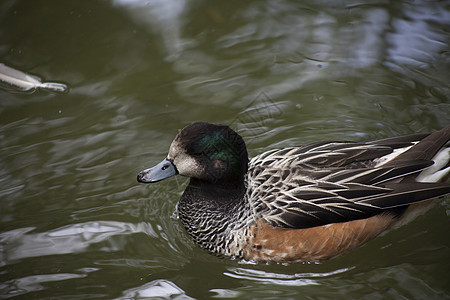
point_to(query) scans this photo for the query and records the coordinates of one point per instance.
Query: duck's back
(323, 183)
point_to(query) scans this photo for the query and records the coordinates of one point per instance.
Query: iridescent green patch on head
(219, 150)
(217, 146)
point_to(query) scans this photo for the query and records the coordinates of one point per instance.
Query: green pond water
(75, 224)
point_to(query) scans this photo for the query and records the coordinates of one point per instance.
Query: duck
(299, 204)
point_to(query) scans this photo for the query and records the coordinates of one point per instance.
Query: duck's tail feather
(434, 147)
(440, 170)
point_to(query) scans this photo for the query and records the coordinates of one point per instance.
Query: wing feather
(324, 183)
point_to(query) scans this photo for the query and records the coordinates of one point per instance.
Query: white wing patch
(387, 158)
(438, 170)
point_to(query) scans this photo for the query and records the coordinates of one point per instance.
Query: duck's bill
(161, 171)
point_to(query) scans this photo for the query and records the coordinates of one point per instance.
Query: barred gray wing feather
(326, 183)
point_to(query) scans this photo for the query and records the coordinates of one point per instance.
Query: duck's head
(208, 152)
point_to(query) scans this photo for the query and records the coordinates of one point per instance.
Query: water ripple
(298, 279)
(160, 288)
(24, 285)
(22, 243)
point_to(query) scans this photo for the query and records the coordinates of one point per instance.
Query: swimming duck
(306, 203)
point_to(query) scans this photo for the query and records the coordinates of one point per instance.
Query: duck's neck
(215, 216)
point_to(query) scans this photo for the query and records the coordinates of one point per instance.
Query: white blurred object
(24, 82)
(163, 17)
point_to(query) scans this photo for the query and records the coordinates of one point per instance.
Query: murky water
(75, 224)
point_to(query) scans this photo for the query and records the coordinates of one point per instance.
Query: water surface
(75, 224)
